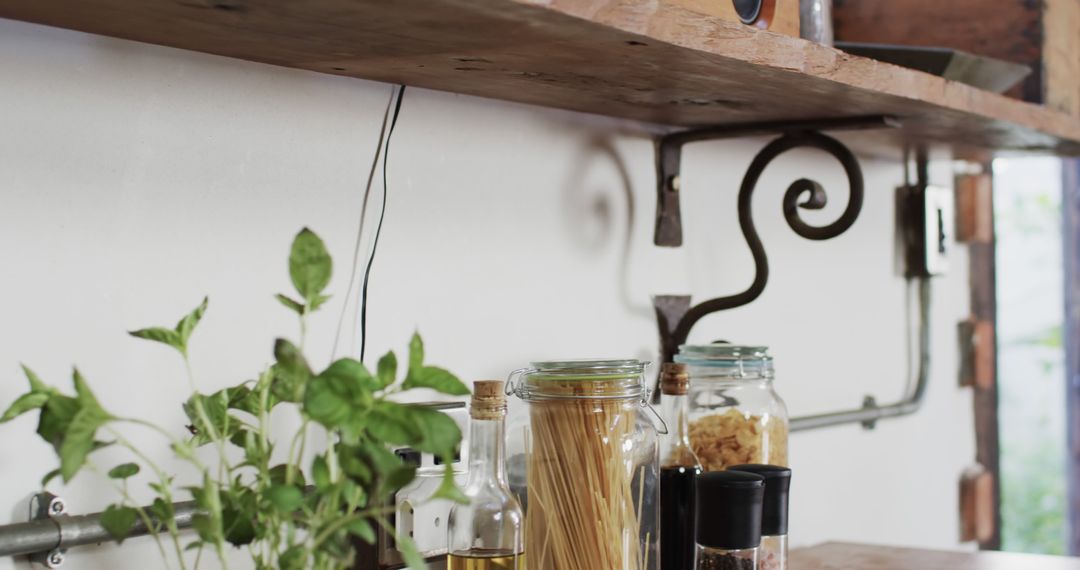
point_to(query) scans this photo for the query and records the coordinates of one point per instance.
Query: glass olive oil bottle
(487, 534)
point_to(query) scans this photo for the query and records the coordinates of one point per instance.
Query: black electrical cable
(378, 228)
(363, 217)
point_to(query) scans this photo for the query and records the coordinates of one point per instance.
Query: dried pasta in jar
(736, 417)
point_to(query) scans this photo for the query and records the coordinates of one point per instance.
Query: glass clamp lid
(732, 360)
(603, 378)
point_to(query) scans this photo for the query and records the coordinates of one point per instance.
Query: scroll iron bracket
(675, 314)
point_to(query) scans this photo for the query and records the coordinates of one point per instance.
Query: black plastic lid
(774, 510)
(729, 509)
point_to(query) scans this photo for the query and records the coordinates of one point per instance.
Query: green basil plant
(287, 515)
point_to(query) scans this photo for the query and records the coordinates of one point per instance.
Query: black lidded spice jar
(728, 520)
(772, 555)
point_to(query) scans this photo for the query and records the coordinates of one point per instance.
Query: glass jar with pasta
(735, 414)
(583, 459)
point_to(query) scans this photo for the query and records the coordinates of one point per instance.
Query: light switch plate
(929, 229)
(938, 229)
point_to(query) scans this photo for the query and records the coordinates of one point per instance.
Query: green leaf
(78, 441)
(295, 558)
(118, 520)
(204, 527)
(187, 324)
(285, 498)
(393, 423)
(416, 353)
(387, 370)
(310, 265)
(409, 553)
(216, 409)
(83, 394)
(279, 474)
(25, 403)
(240, 398)
(291, 373)
(324, 404)
(162, 511)
(239, 515)
(124, 471)
(320, 473)
(353, 464)
(396, 479)
(351, 373)
(296, 306)
(362, 529)
(36, 385)
(439, 434)
(342, 391)
(239, 527)
(436, 378)
(162, 335)
(56, 417)
(448, 488)
(319, 301)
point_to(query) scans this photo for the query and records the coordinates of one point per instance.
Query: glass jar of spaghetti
(583, 460)
(735, 414)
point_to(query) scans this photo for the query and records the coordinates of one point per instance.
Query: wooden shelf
(649, 61)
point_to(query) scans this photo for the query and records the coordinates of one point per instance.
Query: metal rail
(870, 413)
(57, 532)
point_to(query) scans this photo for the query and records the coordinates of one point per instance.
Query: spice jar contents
(731, 438)
(724, 561)
(772, 553)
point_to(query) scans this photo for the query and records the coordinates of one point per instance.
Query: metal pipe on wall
(871, 412)
(53, 533)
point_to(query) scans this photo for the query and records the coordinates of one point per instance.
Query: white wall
(135, 179)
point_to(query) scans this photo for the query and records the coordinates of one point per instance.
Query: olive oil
(485, 561)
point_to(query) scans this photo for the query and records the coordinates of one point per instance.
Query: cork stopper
(488, 400)
(674, 380)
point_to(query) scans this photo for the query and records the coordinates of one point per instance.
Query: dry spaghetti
(585, 487)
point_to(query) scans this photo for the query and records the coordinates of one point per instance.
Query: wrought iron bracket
(675, 314)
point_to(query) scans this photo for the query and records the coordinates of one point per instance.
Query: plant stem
(166, 493)
(303, 327)
(374, 512)
(172, 440)
(200, 412)
(292, 460)
(123, 490)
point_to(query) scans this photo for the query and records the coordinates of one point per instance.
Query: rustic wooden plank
(977, 506)
(651, 61)
(974, 208)
(978, 355)
(983, 283)
(841, 556)
(1061, 55)
(1006, 29)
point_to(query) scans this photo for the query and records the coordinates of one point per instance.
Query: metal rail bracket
(47, 506)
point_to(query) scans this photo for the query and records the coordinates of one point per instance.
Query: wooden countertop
(843, 556)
